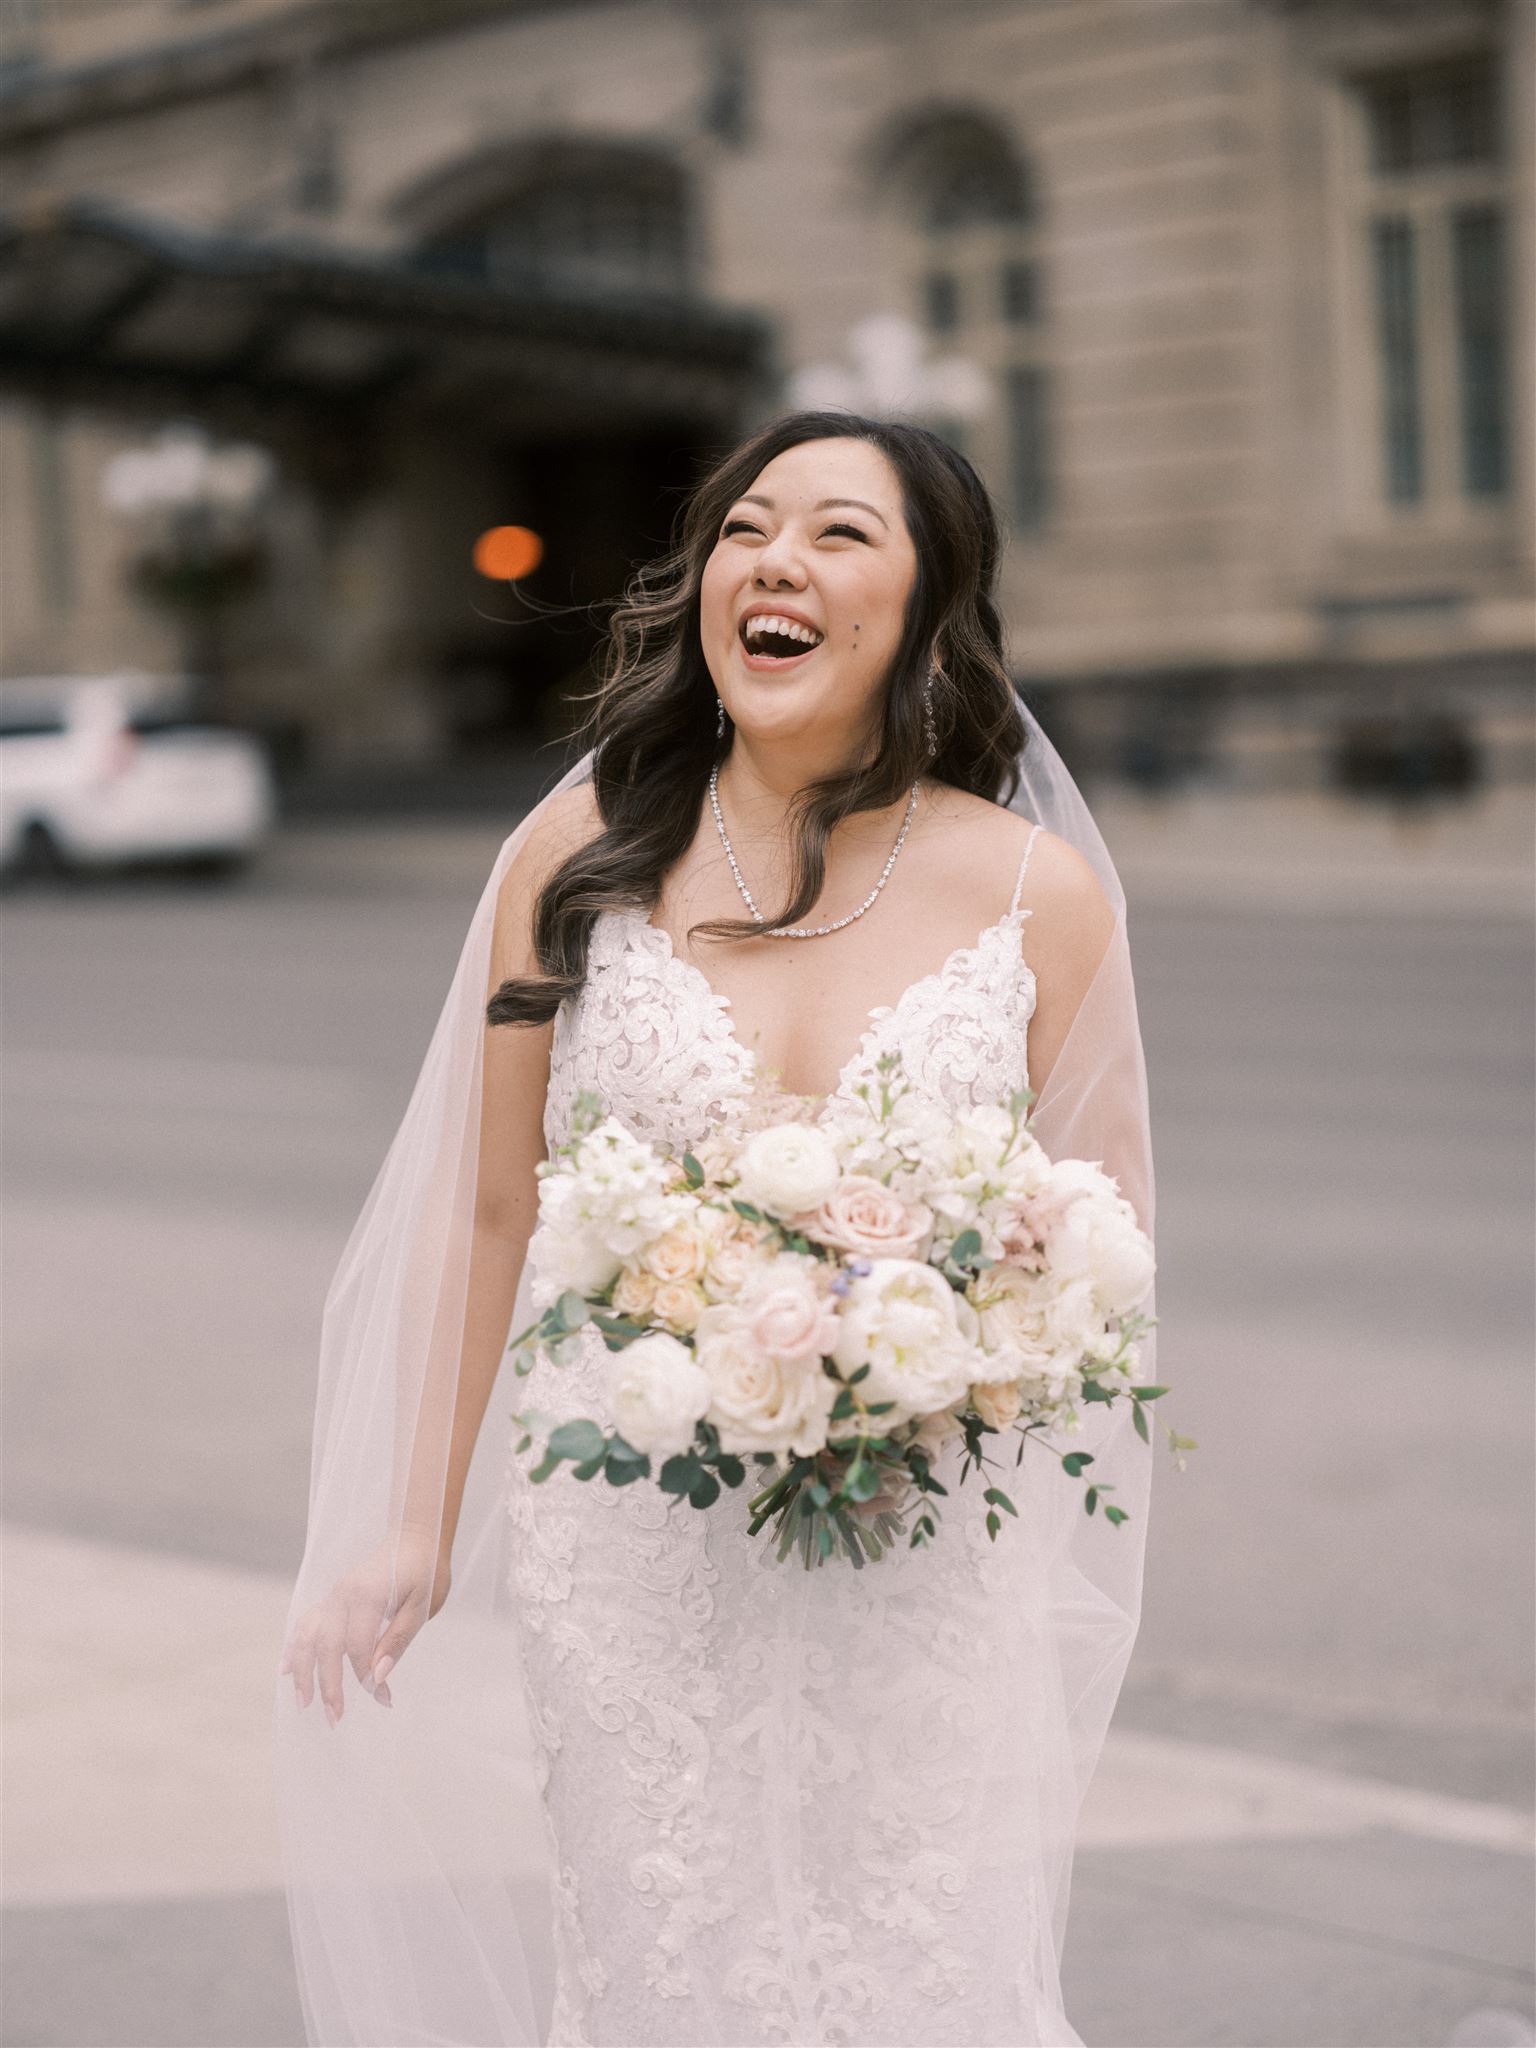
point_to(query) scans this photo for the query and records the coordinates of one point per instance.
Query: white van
(103, 771)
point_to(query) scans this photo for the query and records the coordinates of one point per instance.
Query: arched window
(969, 248)
(596, 220)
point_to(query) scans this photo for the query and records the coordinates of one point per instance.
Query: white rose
(678, 1304)
(658, 1391)
(735, 1250)
(758, 1402)
(997, 1402)
(634, 1292)
(1033, 1329)
(787, 1168)
(906, 1323)
(678, 1254)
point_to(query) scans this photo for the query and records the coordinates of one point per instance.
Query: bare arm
(1069, 930)
(405, 1579)
(513, 1089)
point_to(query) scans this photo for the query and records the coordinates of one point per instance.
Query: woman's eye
(852, 532)
(738, 526)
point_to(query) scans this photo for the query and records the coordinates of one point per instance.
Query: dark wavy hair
(652, 726)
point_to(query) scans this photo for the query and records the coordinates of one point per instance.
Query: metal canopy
(102, 307)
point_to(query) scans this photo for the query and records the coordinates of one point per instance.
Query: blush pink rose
(866, 1219)
(787, 1319)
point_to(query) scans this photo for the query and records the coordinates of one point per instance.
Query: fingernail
(331, 1714)
(383, 1697)
(382, 1669)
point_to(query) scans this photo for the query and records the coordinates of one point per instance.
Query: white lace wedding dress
(785, 1806)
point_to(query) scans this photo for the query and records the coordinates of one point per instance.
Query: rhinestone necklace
(803, 931)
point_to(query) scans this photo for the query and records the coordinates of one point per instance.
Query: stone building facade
(1248, 283)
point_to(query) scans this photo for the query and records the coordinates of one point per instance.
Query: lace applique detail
(648, 1034)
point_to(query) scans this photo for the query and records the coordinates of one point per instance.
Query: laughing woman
(815, 826)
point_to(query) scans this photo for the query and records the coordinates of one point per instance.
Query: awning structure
(105, 308)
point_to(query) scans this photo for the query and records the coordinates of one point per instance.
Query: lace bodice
(650, 1035)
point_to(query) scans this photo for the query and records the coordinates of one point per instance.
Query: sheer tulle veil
(415, 1852)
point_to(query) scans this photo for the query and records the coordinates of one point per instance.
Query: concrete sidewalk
(1223, 1898)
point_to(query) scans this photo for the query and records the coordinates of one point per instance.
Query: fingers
(300, 1659)
(330, 1647)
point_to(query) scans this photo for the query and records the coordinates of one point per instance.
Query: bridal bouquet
(834, 1302)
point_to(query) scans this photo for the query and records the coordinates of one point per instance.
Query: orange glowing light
(508, 553)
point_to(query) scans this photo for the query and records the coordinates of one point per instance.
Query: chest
(651, 1036)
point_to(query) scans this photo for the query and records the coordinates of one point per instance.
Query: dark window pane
(1477, 248)
(1028, 447)
(1421, 119)
(21, 727)
(941, 299)
(1397, 340)
(1019, 289)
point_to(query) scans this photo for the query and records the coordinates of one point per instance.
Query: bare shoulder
(986, 843)
(559, 825)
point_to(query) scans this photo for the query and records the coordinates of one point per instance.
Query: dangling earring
(930, 730)
(720, 721)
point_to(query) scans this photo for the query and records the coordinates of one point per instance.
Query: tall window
(594, 223)
(976, 284)
(1433, 247)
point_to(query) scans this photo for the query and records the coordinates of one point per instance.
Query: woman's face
(804, 596)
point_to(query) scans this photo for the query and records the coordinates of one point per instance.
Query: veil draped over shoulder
(416, 1860)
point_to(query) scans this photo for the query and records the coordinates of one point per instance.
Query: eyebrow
(826, 505)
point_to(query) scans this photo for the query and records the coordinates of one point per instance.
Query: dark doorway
(602, 507)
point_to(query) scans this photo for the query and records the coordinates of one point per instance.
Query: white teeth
(789, 629)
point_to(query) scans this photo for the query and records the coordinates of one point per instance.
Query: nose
(779, 564)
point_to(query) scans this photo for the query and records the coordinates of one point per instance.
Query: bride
(774, 1805)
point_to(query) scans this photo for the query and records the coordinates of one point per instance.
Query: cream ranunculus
(906, 1323)
(787, 1168)
(865, 1218)
(658, 1393)
(758, 1402)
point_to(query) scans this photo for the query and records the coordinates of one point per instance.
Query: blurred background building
(1230, 300)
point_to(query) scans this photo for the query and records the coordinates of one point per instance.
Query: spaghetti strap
(1018, 886)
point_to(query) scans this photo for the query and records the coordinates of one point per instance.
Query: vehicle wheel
(39, 856)
(215, 867)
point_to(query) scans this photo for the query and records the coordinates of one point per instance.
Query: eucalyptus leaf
(578, 1439)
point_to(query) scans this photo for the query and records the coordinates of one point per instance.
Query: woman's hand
(402, 1584)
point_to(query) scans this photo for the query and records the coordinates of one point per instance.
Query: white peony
(568, 1255)
(1099, 1238)
(759, 1402)
(658, 1391)
(906, 1323)
(787, 1168)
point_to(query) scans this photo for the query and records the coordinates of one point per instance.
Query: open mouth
(768, 636)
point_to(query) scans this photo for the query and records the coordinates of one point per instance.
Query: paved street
(1310, 1823)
